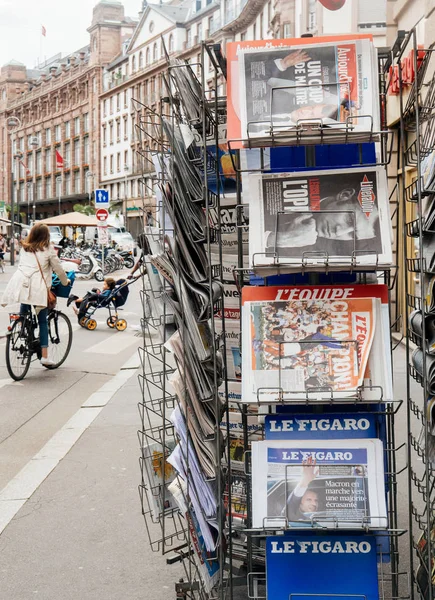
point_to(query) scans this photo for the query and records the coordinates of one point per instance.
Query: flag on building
(59, 160)
(43, 31)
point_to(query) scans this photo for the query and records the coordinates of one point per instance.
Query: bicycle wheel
(18, 353)
(60, 338)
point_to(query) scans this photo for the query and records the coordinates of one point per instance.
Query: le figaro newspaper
(276, 85)
(334, 217)
(324, 482)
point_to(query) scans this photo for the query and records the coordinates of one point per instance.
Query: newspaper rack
(241, 560)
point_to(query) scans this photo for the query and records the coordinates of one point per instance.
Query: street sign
(102, 198)
(103, 235)
(102, 214)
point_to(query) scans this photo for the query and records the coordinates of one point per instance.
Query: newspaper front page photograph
(327, 482)
(294, 347)
(318, 216)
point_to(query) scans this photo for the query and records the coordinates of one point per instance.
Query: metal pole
(34, 205)
(12, 247)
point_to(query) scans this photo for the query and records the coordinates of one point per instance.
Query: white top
(26, 285)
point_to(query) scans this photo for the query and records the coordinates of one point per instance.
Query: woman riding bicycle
(29, 283)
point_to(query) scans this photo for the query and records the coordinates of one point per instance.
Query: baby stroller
(92, 302)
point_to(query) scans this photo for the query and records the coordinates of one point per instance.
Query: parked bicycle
(23, 344)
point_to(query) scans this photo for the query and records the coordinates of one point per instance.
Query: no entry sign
(102, 214)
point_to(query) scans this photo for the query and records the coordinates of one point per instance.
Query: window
(57, 135)
(77, 182)
(47, 161)
(85, 122)
(29, 141)
(155, 52)
(104, 135)
(118, 101)
(86, 150)
(39, 189)
(38, 162)
(125, 99)
(118, 130)
(77, 152)
(125, 127)
(77, 126)
(67, 184)
(105, 107)
(189, 38)
(243, 36)
(254, 31)
(111, 163)
(199, 32)
(111, 104)
(133, 64)
(133, 188)
(47, 136)
(287, 30)
(105, 165)
(171, 43)
(67, 153)
(198, 5)
(261, 26)
(58, 186)
(94, 118)
(118, 162)
(125, 158)
(47, 187)
(210, 25)
(140, 60)
(111, 132)
(67, 130)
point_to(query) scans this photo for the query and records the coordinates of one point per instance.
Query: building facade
(53, 147)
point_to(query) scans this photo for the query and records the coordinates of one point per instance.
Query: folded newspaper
(296, 349)
(325, 483)
(294, 91)
(334, 218)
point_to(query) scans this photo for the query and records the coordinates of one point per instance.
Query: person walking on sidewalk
(2, 253)
(28, 285)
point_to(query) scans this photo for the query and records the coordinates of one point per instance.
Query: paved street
(68, 444)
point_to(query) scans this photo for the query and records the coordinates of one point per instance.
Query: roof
(117, 61)
(14, 63)
(177, 14)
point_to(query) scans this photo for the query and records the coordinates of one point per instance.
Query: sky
(66, 23)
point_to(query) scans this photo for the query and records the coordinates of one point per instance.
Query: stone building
(58, 112)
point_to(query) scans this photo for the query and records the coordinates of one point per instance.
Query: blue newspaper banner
(319, 426)
(324, 567)
(333, 456)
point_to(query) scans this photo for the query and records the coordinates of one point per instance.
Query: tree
(84, 209)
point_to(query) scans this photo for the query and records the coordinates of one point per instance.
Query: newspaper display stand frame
(240, 559)
(417, 143)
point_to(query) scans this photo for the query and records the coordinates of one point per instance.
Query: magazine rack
(192, 109)
(417, 141)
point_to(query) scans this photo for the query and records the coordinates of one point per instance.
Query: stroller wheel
(91, 324)
(121, 324)
(111, 322)
(82, 321)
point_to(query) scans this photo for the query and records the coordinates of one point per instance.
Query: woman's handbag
(51, 296)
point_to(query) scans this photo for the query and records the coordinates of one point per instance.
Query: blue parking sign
(101, 197)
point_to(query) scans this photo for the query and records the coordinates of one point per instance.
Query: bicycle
(22, 343)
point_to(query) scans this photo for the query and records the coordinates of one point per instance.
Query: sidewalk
(81, 535)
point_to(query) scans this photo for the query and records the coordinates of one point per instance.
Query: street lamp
(12, 124)
(126, 170)
(59, 181)
(29, 186)
(34, 143)
(89, 176)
